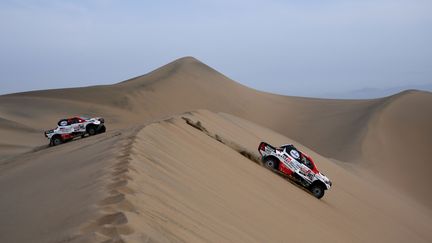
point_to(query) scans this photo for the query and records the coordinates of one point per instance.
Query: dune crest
(345, 130)
(398, 142)
(164, 173)
(189, 182)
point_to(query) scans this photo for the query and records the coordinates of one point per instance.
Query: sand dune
(17, 138)
(190, 187)
(47, 195)
(399, 140)
(171, 182)
(340, 129)
(11, 125)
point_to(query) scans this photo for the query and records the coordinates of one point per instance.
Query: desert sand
(154, 178)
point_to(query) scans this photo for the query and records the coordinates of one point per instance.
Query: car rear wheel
(317, 191)
(271, 163)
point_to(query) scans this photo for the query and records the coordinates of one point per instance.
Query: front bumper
(328, 185)
(47, 133)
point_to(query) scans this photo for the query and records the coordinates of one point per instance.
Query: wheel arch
(277, 161)
(89, 125)
(318, 183)
(55, 136)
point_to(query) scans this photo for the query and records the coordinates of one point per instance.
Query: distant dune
(169, 182)
(373, 93)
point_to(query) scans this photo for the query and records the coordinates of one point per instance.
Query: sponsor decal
(295, 154)
(304, 171)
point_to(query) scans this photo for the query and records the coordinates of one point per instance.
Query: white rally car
(70, 128)
(295, 164)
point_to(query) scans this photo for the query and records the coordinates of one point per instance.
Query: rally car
(290, 161)
(71, 128)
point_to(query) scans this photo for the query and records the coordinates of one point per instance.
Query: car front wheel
(56, 141)
(102, 129)
(317, 191)
(91, 130)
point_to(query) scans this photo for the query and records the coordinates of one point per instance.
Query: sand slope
(190, 187)
(153, 177)
(398, 143)
(187, 84)
(170, 182)
(47, 195)
(346, 130)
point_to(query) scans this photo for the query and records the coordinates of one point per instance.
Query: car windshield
(288, 147)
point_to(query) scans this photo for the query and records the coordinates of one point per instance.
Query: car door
(305, 172)
(75, 125)
(81, 125)
(65, 126)
(287, 160)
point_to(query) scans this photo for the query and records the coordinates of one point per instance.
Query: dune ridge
(344, 130)
(174, 182)
(398, 140)
(186, 178)
(112, 223)
(179, 163)
(13, 125)
(47, 195)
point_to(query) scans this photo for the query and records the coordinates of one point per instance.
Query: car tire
(271, 163)
(317, 190)
(56, 141)
(91, 130)
(102, 129)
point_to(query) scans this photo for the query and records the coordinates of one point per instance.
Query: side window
(308, 163)
(292, 151)
(74, 120)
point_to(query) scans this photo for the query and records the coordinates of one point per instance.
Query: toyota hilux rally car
(295, 164)
(71, 128)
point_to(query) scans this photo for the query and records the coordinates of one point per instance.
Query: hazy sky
(300, 47)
